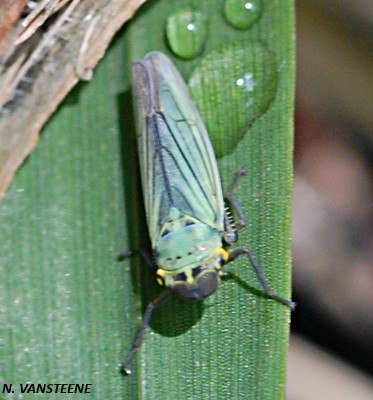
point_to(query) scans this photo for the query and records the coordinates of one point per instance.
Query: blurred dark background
(333, 201)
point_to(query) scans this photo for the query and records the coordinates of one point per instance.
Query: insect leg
(233, 201)
(142, 252)
(136, 344)
(259, 274)
(231, 228)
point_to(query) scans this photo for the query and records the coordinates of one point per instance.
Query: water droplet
(246, 83)
(186, 32)
(241, 14)
(232, 86)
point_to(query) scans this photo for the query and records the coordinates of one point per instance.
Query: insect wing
(177, 162)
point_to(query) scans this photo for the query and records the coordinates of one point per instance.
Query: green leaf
(69, 310)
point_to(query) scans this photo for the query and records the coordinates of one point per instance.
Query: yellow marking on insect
(221, 252)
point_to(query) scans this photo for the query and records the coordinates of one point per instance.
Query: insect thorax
(189, 255)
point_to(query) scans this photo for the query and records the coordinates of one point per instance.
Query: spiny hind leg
(232, 227)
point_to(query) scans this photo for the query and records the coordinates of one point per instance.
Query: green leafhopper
(188, 224)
